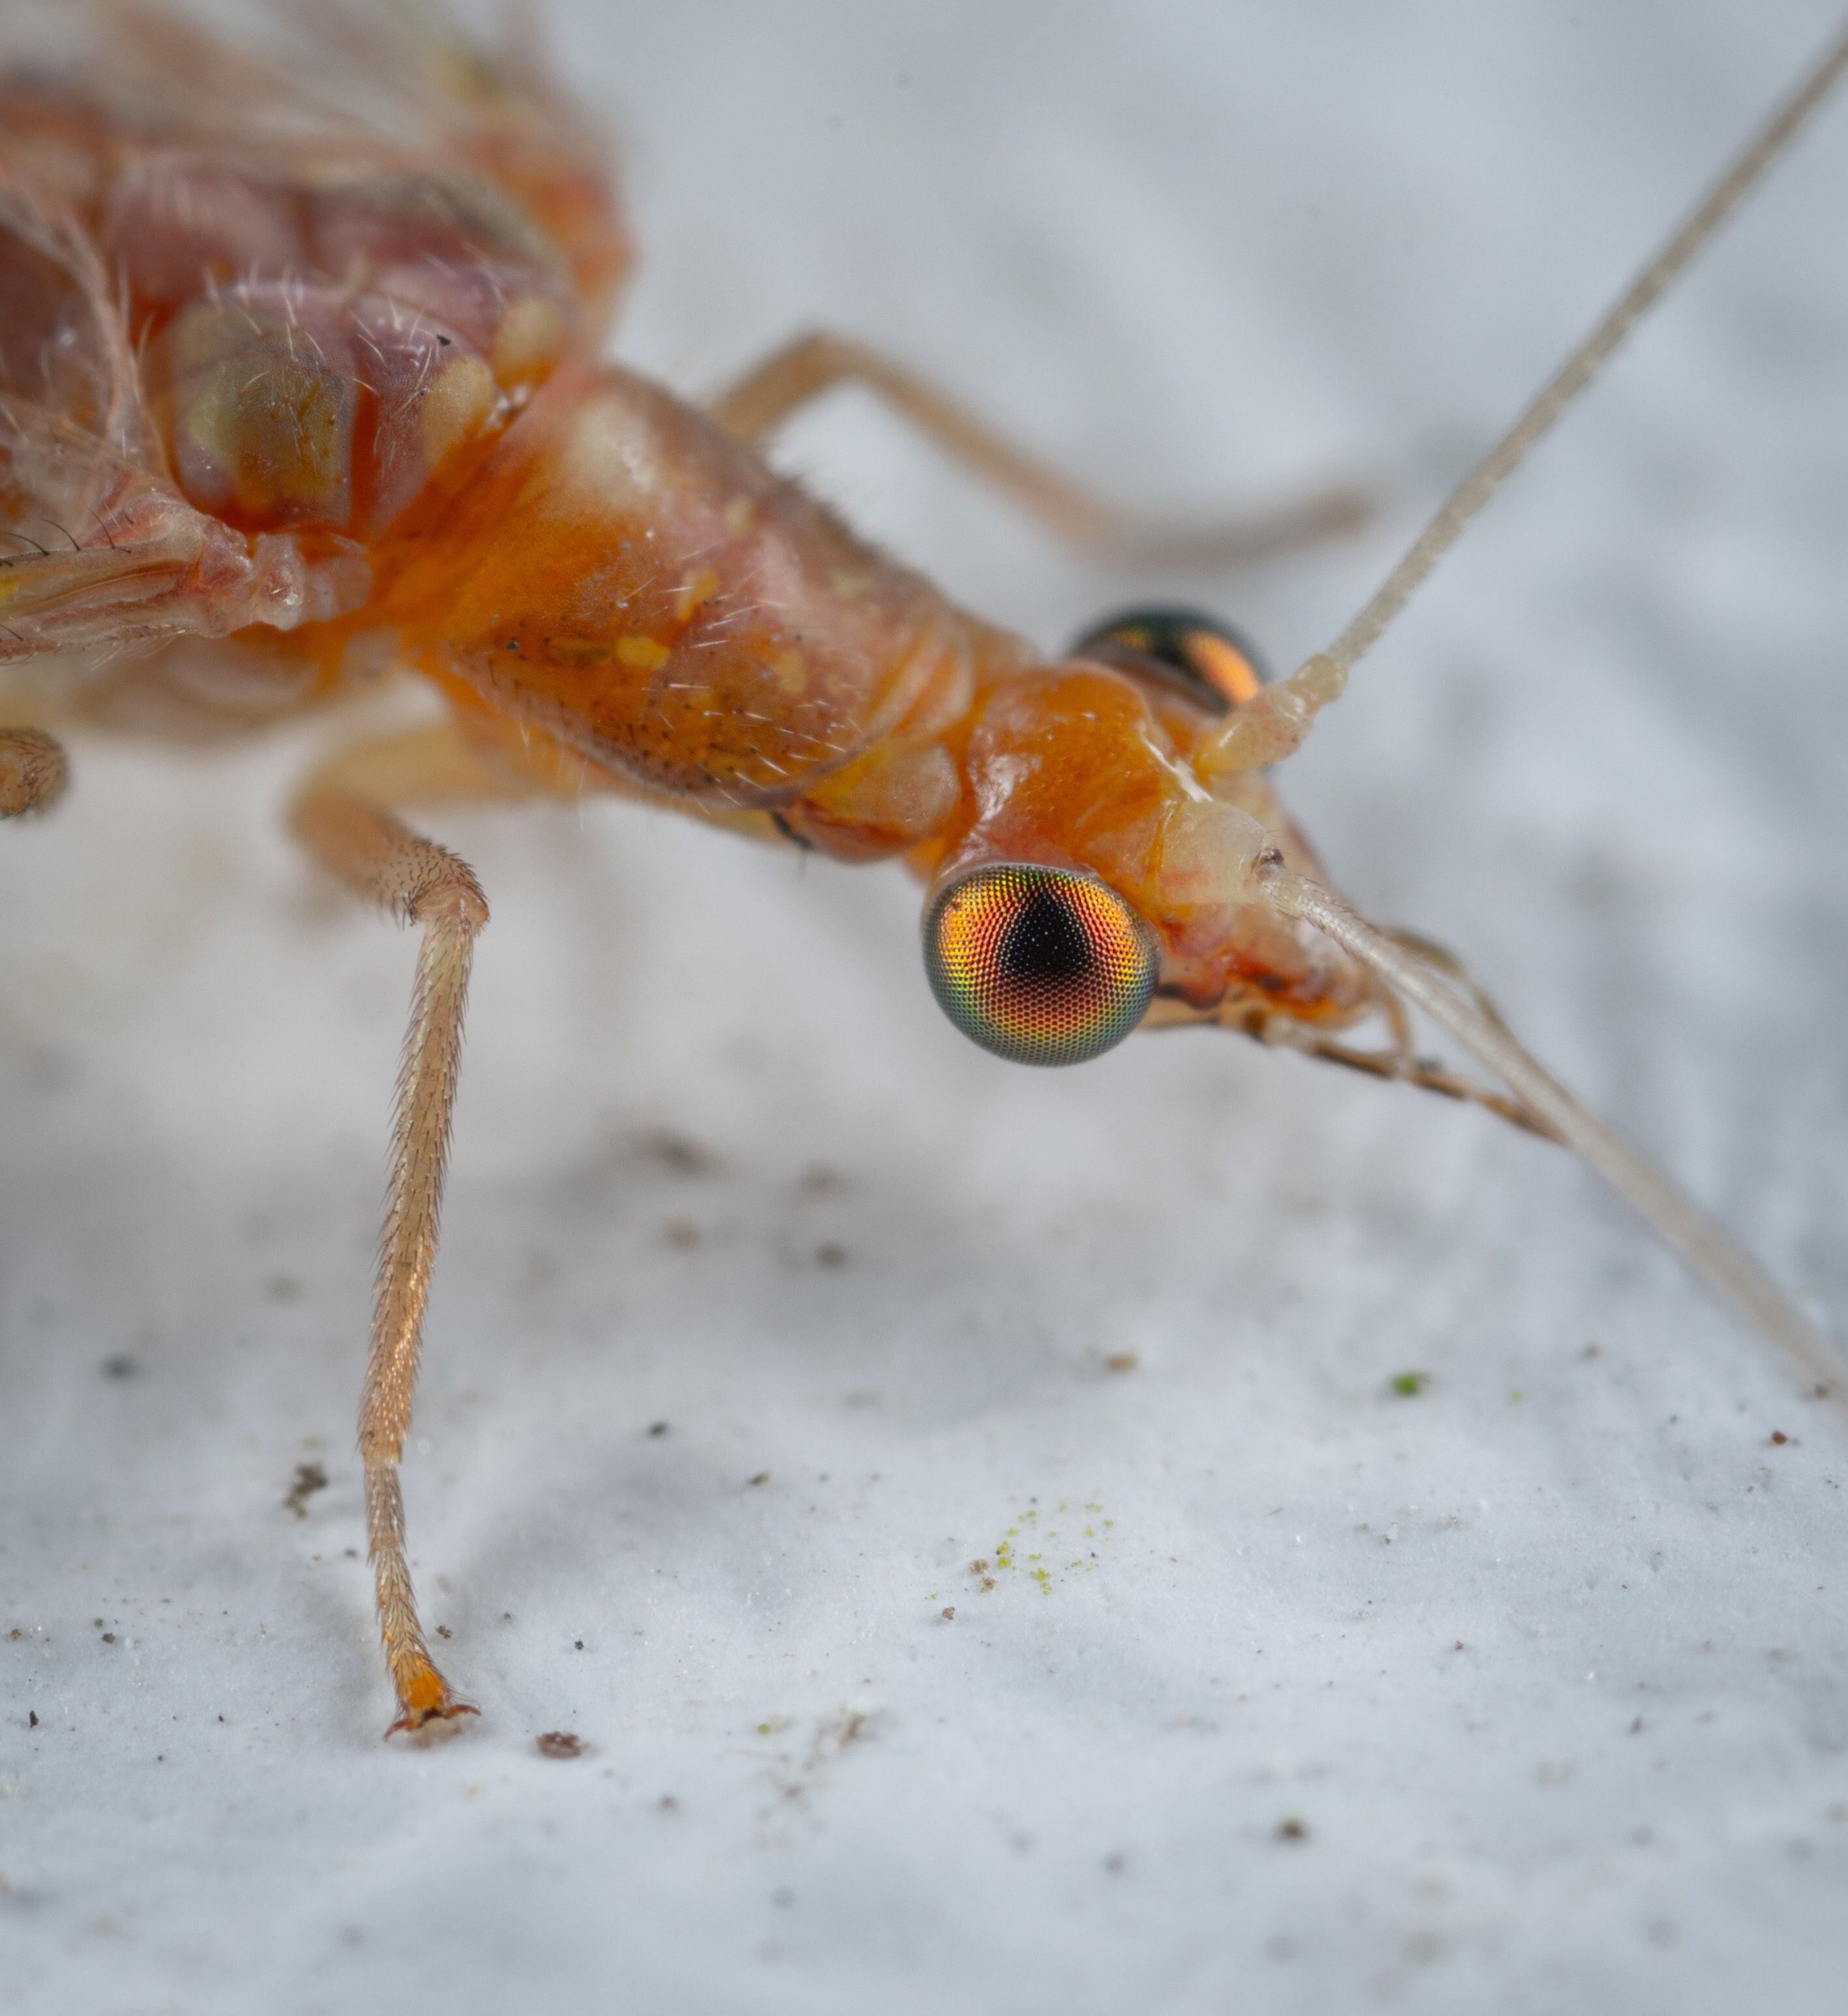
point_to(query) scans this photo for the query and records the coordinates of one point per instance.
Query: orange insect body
(299, 385)
(622, 575)
(357, 404)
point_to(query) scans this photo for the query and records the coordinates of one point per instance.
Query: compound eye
(1207, 658)
(1042, 966)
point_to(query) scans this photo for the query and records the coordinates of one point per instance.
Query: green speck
(1408, 1385)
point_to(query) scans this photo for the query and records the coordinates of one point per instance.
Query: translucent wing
(336, 90)
(253, 294)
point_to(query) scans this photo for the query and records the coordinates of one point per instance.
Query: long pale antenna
(1705, 1248)
(1269, 727)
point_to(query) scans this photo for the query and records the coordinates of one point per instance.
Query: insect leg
(1401, 1064)
(380, 859)
(759, 403)
(32, 771)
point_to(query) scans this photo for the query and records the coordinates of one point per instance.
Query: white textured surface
(1548, 1662)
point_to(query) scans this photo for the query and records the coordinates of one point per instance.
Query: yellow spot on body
(694, 592)
(647, 653)
(850, 583)
(532, 332)
(738, 514)
(790, 671)
(455, 404)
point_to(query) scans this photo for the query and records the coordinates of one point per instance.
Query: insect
(300, 386)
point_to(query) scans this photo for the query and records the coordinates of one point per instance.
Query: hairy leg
(759, 403)
(341, 818)
(1399, 1062)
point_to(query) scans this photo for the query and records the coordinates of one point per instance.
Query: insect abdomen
(623, 575)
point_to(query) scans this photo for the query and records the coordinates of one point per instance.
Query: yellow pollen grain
(790, 671)
(647, 653)
(694, 591)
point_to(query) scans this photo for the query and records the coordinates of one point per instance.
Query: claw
(426, 1725)
(430, 1711)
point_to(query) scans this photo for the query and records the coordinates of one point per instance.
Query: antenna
(1268, 728)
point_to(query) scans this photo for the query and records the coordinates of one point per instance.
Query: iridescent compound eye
(1206, 659)
(1042, 966)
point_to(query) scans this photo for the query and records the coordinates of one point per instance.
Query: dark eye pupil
(1045, 943)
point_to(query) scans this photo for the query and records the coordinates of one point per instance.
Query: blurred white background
(1525, 1692)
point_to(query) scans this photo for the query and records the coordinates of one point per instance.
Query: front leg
(382, 860)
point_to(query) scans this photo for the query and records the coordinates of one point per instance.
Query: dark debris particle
(309, 1478)
(1408, 1385)
(676, 1154)
(829, 1254)
(120, 1366)
(657, 1427)
(1122, 1361)
(1778, 1437)
(32, 1718)
(762, 1476)
(109, 1637)
(669, 1804)
(559, 1743)
(948, 1613)
(1290, 1828)
(444, 1631)
(577, 1644)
